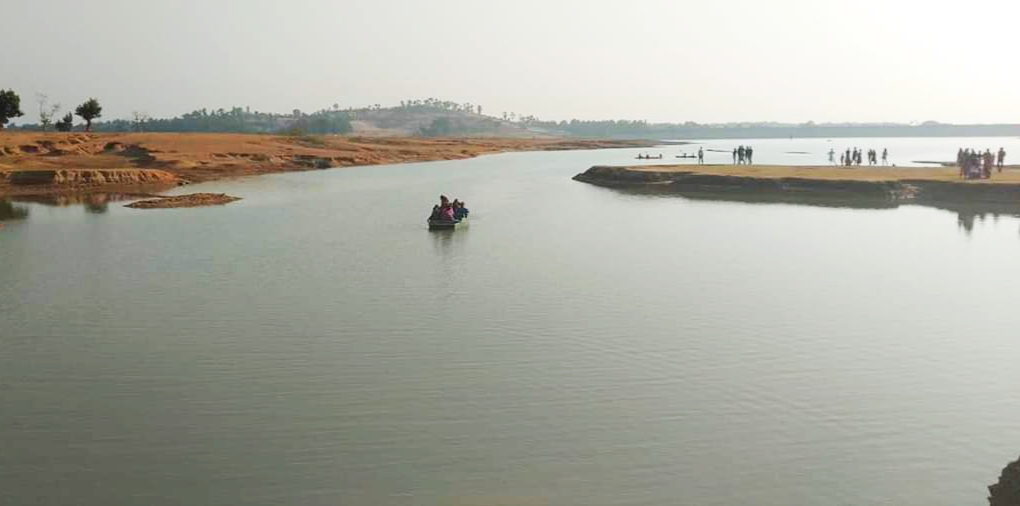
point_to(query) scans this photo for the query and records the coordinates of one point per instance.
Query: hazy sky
(660, 60)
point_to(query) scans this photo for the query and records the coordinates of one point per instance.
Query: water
(314, 344)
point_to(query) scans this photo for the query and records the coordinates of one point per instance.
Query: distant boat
(447, 225)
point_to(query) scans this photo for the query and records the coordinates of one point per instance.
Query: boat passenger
(460, 212)
(446, 212)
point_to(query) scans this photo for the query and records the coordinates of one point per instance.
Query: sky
(657, 60)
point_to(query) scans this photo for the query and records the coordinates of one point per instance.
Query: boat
(447, 225)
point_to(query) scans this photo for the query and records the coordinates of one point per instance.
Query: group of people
(448, 211)
(977, 165)
(743, 155)
(854, 157)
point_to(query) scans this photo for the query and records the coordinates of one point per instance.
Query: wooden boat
(447, 225)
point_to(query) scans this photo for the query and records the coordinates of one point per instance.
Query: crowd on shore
(855, 157)
(448, 211)
(977, 165)
(743, 155)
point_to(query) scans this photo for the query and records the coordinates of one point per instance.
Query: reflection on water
(97, 207)
(966, 220)
(967, 213)
(93, 202)
(9, 211)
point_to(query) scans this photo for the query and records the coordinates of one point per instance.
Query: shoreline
(865, 187)
(37, 163)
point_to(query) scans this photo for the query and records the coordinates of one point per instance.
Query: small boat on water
(447, 225)
(448, 215)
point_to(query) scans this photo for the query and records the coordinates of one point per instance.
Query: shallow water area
(314, 343)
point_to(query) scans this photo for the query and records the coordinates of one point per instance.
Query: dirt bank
(34, 163)
(868, 187)
(191, 200)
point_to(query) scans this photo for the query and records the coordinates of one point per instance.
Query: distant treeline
(433, 117)
(236, 120)
(645, 130)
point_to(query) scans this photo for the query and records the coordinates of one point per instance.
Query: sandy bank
(191, 200)
(820, 185)
(32, 162)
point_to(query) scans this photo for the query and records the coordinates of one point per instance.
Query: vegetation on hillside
(236, 120)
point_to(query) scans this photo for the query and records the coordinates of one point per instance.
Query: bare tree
(46, 111)
(139, 119)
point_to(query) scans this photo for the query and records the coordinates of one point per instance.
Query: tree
(46, 111)
(440, 127)
(138, 120)
(66, 124)
(10, 106)
(89, 111)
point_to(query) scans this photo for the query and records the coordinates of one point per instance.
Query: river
(315, 344)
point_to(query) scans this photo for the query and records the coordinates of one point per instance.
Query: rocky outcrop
(1007, 491)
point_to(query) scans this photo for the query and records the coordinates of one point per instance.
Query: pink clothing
(447, 213)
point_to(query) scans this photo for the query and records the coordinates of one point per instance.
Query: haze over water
(314, 344)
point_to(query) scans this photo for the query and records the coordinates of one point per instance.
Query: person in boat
(446, 212)
(445, 209)
(435, 213)
(459, 211)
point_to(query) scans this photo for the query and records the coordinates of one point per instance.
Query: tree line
(449, 118)
(236, 119)
(10, 108)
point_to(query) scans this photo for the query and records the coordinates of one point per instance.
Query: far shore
(33, 163)
(820, 185)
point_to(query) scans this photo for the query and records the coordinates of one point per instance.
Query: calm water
(313, 344)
